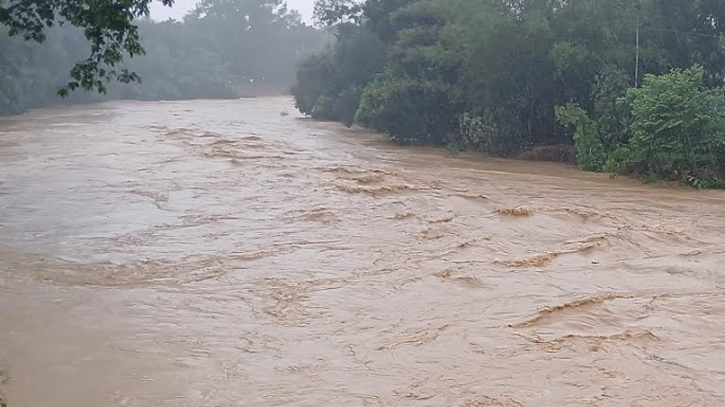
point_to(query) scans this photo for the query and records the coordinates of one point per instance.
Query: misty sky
(181, 7)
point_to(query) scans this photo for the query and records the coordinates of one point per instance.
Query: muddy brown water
(217, 253)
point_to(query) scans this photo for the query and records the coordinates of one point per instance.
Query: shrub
(330, 83)
(324, 108)
(678, 127)
(313, 73)
(557, 153)
(487, 133)
(590, 152)
(408, 110)
(672, 128)
(609, 107)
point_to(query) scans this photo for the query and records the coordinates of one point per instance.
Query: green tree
(108, 26)
(330, 83)
(205, 56)
(258, 40)
(590, 152)
(678, 126)
(328, 13)
(502, 76)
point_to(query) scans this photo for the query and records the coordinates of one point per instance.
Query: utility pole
(636, 62)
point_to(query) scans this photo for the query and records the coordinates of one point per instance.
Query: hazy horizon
(181, 7)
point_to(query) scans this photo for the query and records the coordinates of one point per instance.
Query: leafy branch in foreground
(108, 25)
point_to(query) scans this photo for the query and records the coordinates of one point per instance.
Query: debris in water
(518, 211)
(444, 220)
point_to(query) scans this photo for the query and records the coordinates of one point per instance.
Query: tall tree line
(505, 76)
(223, 48)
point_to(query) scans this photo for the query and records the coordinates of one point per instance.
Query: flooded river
(217, 253)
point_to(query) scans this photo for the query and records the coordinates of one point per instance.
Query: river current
(220, 253)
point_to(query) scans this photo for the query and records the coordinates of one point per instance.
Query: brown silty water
(217, 253)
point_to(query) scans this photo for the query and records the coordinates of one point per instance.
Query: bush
(330, 84)
(610, 109)
(590, 152)
(324, 108)
(556, 153)
(347, 104)
(486, 133)
(672, 128)
(408, 110)
(312, 75)
(620, 161)
(678, 127)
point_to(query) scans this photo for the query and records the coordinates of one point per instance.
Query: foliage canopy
(107, 25)
(504, 76)
(223, 48)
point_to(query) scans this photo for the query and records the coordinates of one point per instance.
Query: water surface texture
(217, 253)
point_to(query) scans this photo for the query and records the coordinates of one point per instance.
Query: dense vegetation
(506, 76)
(224, 48)
(107, 25)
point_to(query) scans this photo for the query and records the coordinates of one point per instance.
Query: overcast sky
(181, 7)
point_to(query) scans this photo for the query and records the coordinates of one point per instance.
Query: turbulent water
(221, 254)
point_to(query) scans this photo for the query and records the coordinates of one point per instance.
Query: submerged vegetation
(633, 86)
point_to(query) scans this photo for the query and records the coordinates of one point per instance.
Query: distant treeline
(222, 49)
(507, 76)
